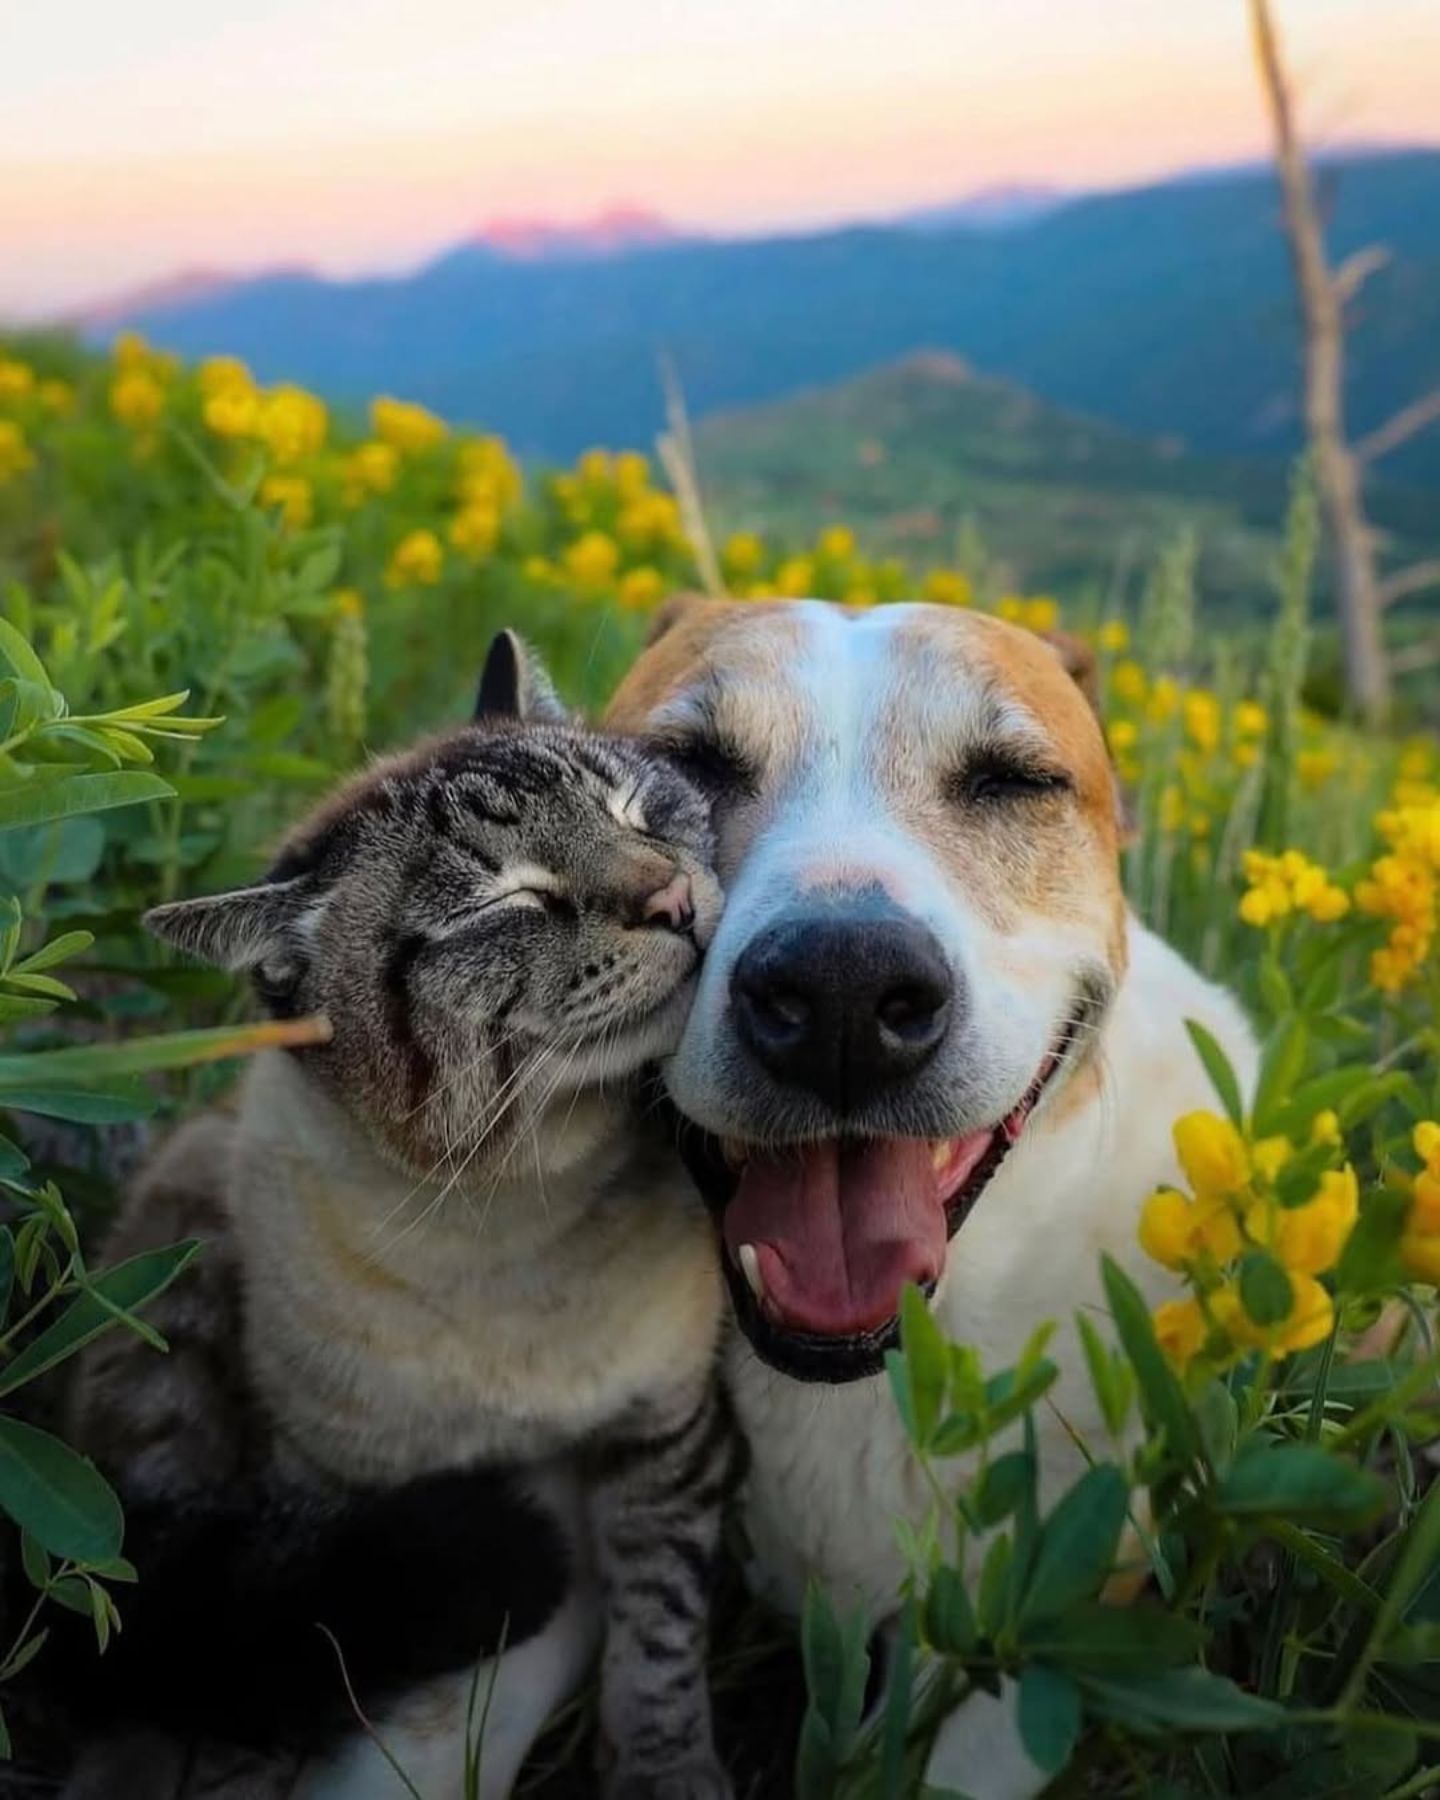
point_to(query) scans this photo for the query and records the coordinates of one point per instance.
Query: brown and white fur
(941, 772)
(456, 1245)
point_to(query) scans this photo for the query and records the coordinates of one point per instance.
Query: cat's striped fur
(479, 1305)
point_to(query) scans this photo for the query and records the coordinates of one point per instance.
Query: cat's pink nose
(672, 905)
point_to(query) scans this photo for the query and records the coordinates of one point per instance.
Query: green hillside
(911, 452)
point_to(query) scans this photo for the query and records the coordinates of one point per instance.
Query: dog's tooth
(749, 1262)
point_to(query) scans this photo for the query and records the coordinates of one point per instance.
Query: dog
(930, 1044)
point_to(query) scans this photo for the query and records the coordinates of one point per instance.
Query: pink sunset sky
(351, 135)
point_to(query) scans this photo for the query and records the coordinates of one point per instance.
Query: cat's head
(491, 922)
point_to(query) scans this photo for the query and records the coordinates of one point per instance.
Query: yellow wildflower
(406, 427)
(1315, 767)
(292, 424)
(1175, 1231)
(232, 412)
(1312, 1313)
(1270, 1155)
(16, 379)
(56, 396)
(1427, 1144)
(475, 529)
(860, 595)
(1122, 735)
(1202, 720)
(595, 468)
(224, 375)
(795, 578)
(15, 454)
(416, 561)
(591, 561)
(370, 468)
(1325, 1128)
(947, 587)
(1309, 1238)
(836, 543)
(1180, 1330)
(632, 474)
(1113, 636)
(293, 495)
(1130, 682)
(136, 398)
(1212, 1154)
(1251, 719)
(743, 555)
(642, 588)
(131, 351)
(1164, 700)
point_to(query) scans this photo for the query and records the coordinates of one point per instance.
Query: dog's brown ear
(1079, 661)
(669, 613)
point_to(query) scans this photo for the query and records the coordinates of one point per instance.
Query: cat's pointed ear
(238, 930)
(514, 685)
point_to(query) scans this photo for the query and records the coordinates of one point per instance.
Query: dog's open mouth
(821, 1238)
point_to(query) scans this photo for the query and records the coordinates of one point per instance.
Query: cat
(477, 1412)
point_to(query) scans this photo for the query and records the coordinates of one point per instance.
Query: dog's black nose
(842, 1005)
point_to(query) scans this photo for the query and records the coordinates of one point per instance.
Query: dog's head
(917, 830)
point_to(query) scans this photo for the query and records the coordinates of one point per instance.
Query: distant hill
(1167, 310)
(909, 451)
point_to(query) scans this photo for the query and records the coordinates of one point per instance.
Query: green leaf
(89, 1103)
(1160, 1393)
(895, 1723)
(1370, 1262)
(1275, 988)
(1179, 1700)
(1217, 1066)
(1218, 1419)
(19, 655)
(57, 950)
(1002, 1487)
(949, 1617)
(1265, 1289)
(140, 1056)
(1077, 1544)
(927, 1362)
(1049, 1715)
(1281, 1067)
(1300, 1482)
(1110, 1376)
(994, 1584)
(61, 1499)
(837, 1665)
(40, 801)
(35, 1560)
(7, 1269)
(1093, 1636)
(127, 1287)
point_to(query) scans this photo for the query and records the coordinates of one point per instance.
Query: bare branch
(1404, 582)
(1414, 657)
(1400, 426)
(1356, 270)
(676, 450)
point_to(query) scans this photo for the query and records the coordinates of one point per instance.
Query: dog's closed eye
(717, 767)
(999, 778)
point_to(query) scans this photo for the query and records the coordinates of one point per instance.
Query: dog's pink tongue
(839, 1230)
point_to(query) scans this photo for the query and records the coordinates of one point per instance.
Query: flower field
(216, 597)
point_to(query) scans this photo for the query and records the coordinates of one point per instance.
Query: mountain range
(1167, 310)
(909, 452)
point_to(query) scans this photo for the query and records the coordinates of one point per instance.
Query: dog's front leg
(659, 1487)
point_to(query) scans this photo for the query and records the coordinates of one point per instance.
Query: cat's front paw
(701, 1779)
